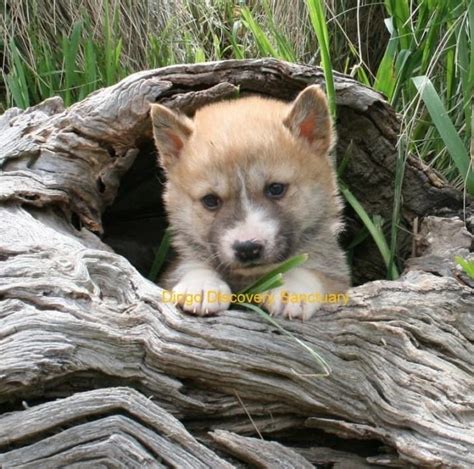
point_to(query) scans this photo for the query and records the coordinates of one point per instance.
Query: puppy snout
(246, 251)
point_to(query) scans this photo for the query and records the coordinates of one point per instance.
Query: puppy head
(248, 181)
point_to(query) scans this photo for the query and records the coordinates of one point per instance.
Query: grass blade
(237, 49)
(17, 80)
(386, 77)
(318, 20)
(464, 50)
(400, 12)
(263, 43)
(273, 282)
(468, 266)
(281, 269)
(446, 129)
(374, 230)
(397, 201)
(90, 68)
(160, 256)
(199, 55)
(14, 89)
(322, 363)
(471, 31)
(70, 51)
(110, 47)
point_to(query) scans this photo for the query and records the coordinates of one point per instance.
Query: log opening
(367, 130)
(136, 221)
(106, 370)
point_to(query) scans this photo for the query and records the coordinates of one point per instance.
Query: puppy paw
(297, 297)
(202, 292)
(291, 309)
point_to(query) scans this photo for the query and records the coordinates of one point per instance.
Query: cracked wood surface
(401, 352)
(75, 316)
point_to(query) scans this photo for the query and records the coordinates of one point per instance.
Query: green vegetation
(467, 266)
(326, 369)
(374, 226)
(160, 256)
(274, 279)
(419, 53)
(271, 280)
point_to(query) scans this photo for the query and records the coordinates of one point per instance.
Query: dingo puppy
(250, 183)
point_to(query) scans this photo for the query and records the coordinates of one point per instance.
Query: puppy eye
(211, 201)
(275, 190)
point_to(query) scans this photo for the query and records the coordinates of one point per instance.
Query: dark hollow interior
(134, 224)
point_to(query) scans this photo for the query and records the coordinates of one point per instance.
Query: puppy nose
(247, 250)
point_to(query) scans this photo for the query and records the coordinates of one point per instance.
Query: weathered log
(260, 453)
(146, 435)
(75, 316)
(75, 159)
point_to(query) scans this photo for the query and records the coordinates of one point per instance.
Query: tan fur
(239, 146)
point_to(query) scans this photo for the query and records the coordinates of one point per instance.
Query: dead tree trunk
(94, 368)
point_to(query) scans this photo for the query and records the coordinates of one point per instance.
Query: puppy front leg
(300, 283)
(199, 289)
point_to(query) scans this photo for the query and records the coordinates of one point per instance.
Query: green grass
(274, 279)
(271, 280)
(374, 227)
(419, 53)
(317, 14)
(446, 129)
(467, 266)
(326, 369)
(160, 256)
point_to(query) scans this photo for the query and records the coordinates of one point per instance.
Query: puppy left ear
(171, 131)
(309, 119)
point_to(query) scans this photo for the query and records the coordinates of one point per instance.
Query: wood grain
(95, 368)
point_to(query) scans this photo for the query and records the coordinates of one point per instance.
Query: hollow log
(96, 369)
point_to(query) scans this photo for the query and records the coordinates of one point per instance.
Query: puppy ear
(309, 119)
(170, 131)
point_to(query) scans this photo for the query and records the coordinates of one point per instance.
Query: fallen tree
(95, 368)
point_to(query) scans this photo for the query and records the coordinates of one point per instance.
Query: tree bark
(95, 368)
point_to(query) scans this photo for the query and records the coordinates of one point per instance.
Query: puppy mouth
(254, 267)
(250, 265)
(267, 258)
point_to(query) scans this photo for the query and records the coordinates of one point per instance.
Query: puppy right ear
(171, 131)
(309, 119)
